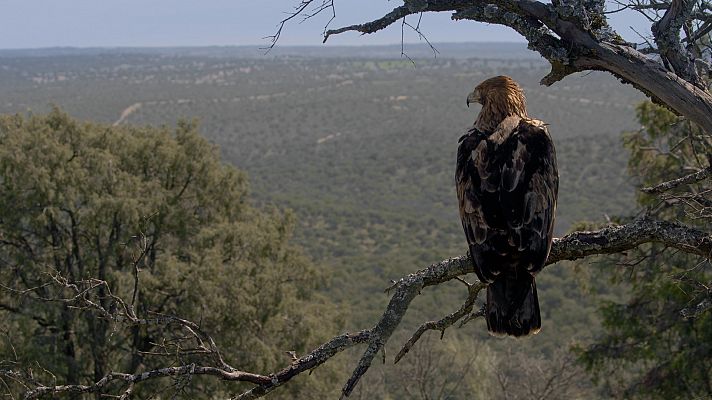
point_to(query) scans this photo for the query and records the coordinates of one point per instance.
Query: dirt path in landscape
(128, 111)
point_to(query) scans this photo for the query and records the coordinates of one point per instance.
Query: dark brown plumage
(507, 184)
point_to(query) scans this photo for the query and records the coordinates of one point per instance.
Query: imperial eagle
(507, 183)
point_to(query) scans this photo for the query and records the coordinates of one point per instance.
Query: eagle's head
(500, 97)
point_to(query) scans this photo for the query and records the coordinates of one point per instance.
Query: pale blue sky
(111, 23)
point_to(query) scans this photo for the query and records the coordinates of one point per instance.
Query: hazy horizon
(257, 45)
(490, 50)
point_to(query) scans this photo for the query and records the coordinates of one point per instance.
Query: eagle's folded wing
(507, 186)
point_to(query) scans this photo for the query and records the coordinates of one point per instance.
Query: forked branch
(465, 311)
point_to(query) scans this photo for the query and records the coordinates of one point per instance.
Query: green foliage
(82, 202)
(648, 349)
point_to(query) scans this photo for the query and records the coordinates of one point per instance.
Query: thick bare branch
(625, 237)
(685, 180)
(373, 26)
(667, 36)
(409, 8)
(652, 79)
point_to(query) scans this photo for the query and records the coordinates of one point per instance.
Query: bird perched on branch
(507, 183)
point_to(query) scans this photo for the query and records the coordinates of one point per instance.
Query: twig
(479, 314)
(403, 54)
(472, 291)
(421, 35)
(280, 26)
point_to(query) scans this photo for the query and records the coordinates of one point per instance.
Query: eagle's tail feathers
(513, 307)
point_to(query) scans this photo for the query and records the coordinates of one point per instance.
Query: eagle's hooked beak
(473, 97)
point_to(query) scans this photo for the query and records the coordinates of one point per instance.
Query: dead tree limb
(136, 378)
(667, 36)
(685, 180)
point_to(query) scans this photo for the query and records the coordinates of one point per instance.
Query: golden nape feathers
(500, 97)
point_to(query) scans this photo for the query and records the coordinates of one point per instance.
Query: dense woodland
(350, 160)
